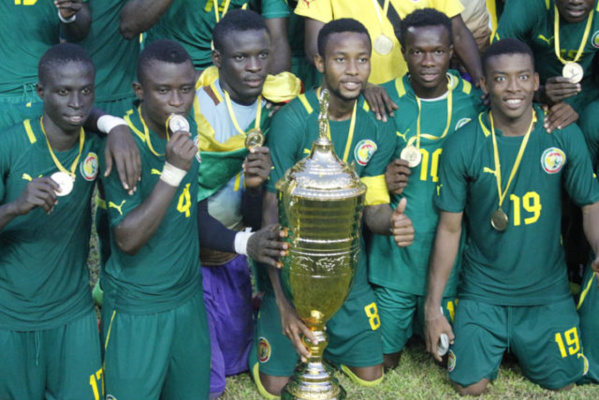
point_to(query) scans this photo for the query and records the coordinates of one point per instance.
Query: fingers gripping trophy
(320, 203)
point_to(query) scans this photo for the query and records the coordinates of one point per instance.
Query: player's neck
(235, 96)
(59, 139)
(152, 125)
(513, 126)
(429, 92)
(340, 109)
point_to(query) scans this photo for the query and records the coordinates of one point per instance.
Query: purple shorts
(228, 298)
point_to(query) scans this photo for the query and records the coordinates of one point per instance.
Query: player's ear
(40, 90)
(216, 58)
(138, 89)
(483, 85)
(319, 63)
(537, 81)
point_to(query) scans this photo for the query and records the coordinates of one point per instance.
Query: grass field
(417, 376)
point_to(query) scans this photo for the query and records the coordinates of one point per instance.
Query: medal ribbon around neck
(378, 13)
(60, 167)
(227, 4)
(147, 134)
(426, 135)
(352, 127)
(234, 119)
(518, 158)
(587, 30)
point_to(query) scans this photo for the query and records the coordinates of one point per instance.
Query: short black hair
(507, 46)
(236, 21)
(421, 18)
(58, 56)
(339, 26)
(163, 50)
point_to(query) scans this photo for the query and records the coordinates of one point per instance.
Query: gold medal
(254, 139)
(64, 181)
(499, 220)
(573, 71)
(412, 155)
(383, 44)
(177, 123)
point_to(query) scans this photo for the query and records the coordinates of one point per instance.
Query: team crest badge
(462, 122)
(110, 397)
(450, 361)
(552, 160)
(263, 350)
(89, 167)
(364, 151)
(196, 142)
(595, 40)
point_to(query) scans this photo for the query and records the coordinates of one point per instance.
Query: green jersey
(190, 22)
(166, 271)
(295, 127)
(405, 268)
(27, 31)
(523, 265)
(532, 22)
(114, 56)
(44, 281)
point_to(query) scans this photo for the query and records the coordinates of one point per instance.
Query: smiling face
(346, 64)
(243, 64)
(165, 88)
(510, 81)
(68, 94)
(574, 11)
(427, 52)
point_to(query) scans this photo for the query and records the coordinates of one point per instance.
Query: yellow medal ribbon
(147, 134)
(234, 119)
(227, 4)
(449, 115)
(502, 194)
(352, 127)
(60, 167)
(580, 51)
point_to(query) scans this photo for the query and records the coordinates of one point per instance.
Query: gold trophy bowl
(320, 203)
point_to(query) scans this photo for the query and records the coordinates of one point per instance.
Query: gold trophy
(320, 203)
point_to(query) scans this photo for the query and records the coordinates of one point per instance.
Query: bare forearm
(8, 212)
(312, 27)
(590, 221)
(140, 15)
(378, 219)
(281, 60)
(466, 48)
(141, 224)
(78, 29)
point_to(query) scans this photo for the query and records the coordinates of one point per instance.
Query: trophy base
(313, 381)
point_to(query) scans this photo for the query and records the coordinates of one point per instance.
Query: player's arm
(445, 250)
(382, 220)
(590, 223)
(137, 16)
(466, 49)
(379, 101)
(133, 232)
(281, 56)
(40, 192)
(120, 147)
(75, 19)
(312, 28)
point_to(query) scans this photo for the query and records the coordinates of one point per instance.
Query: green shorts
(353, 333)
(164, 355)
(588, 309)
(402, 314)
(59, 363)
(545, 339)
(13, 111)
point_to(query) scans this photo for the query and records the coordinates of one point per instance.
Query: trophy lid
(322, 175)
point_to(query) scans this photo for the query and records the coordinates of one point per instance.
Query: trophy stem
(313, 380)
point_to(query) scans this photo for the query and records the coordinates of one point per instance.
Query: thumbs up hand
(402, 229)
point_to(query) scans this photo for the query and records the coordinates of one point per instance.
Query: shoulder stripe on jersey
(586, 291)
(140, 134)
(30, 134)
(597, 8)
(307, 105)
(482, 125)
(467, 88)
(547, 4)
(401, 90)
(365, 106)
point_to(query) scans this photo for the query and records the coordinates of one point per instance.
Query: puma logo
(489, 170)
(439, 186)
(403, 135)
(27, 177)
(543, 38)
(118, 208)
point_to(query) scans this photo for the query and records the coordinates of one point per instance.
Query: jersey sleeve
(451, 191)
(589, 124)
(373, 175)
(284, 142)
(519, 18)
(118, 202)
(320, 10)
(580, 182)
(275, 9)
